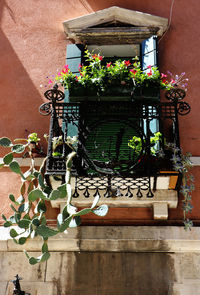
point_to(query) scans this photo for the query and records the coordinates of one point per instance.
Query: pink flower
(133, 71)
(127, 63)
(100, 57)
(50, 81)
(149, 74)
(149, 67)
(59, 74)
(79, 66)
(108, 65)
(163, 76)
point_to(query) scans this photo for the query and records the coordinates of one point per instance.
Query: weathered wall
(108, 260)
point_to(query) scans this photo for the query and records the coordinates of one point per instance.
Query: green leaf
(20, 200)
(44, 247)
(18, 148)
(30, 187)
(36, 194)
(24, 223)
(43, 220)
(14, 166)
(36, 173)
(33, 260)
(54, 195)
(13, 208)
(101, 210)
(3, 216)
(1, 165)
(7, 224)
(62, 190)
(45, 256)
(22, 240)
(40, 208)
(45, 231)
(65, 213)
(12, 198)
(6, 142)
(23, 189)
(76, 221)
(17, 217)
(36, 222)
(83, 212)
(65, 224)
(24, 207)
(59, 193)
(13, 233)
(8, 158)
(41, 181)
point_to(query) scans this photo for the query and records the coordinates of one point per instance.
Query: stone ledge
(162, 200)
(117, 238)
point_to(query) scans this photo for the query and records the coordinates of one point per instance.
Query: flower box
(114, 93)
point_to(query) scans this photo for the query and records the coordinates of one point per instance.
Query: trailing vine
(183, 164)
(29, 208)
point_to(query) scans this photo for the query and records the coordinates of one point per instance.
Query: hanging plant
(29, 208)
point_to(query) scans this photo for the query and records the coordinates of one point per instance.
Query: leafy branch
(29, 208)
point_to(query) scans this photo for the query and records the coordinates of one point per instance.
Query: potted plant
(101, 80)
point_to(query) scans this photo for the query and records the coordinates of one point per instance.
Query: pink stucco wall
(33, 46)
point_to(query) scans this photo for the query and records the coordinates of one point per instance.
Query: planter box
(114, 93)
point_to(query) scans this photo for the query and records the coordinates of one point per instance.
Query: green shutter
(74, 58)
(109, 133)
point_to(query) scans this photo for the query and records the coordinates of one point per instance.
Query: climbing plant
(29, 208)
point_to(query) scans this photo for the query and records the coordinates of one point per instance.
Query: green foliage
(182, 163)
(18, 148)
(136, 143)
(33, 137)
(99, 76)
(29, 208)
(14, 166)
(6, 142)
(8, 158)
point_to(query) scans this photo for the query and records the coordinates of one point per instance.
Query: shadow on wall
(19, 98)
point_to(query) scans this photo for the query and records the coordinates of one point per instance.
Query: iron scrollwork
(105, 164)
(176, 95)
(54, 95)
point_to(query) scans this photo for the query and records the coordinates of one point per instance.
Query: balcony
(105, 164)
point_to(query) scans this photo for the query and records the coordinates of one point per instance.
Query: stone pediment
(114, 25)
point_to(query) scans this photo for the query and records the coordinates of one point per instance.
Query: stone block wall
(107, 260)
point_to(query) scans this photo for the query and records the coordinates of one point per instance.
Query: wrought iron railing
(105, 163)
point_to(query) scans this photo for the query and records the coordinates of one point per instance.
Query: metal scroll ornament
(176, 95)
(54, 95)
